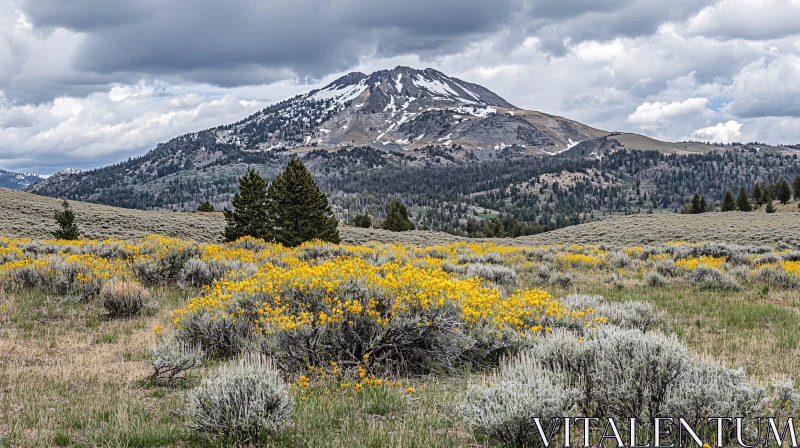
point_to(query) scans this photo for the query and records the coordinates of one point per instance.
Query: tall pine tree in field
(68, 228)
(757, 195)
(783, 191)
(298, 210)
(796, 188)
(743, 201)
(695, 207)
(766, 194)
(728, 202)
(249, 214)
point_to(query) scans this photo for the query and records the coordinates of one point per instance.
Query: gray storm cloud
(88, 82)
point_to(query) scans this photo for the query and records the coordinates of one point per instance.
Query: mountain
(17, 181)
(461, 157)
(401, 109)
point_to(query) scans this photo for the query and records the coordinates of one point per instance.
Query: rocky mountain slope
(402, 109)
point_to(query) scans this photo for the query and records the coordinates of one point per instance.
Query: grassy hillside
(28, 215)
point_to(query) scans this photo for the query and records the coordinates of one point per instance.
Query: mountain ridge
(18, 181)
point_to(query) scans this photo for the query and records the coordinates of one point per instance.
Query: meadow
(138, 342)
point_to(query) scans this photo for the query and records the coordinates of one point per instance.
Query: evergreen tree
(766, 194)
(68, 228)
(249, 214)
(783, 192)
(695, 207)
(796, 188)
(757, 195)
(702, 208)
(363, 220)
(297, 210)
(743, 201)
(728, 202)
(770, 207)
(205, 207)
(397, 217)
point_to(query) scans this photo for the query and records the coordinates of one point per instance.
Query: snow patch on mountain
(339, 94)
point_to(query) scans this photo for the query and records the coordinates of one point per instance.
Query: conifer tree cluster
(698, 204)
(67, 227)
(763, 194)
(363, 220)
(397, 217)
(205, 207)
(290, 210)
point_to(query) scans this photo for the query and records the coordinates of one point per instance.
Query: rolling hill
(31, 216)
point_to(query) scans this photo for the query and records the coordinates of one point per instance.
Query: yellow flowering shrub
(352, 307)
(691, 263)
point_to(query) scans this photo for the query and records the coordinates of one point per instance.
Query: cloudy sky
(84, 83)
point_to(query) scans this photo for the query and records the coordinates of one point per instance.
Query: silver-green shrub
(217, 337)
(520, 390)
(775, 277)
(619, 260)
(563, 279)
(666, 268)
(631, 315)
(710, 278)
(494, 273)
(244, 399)
(123, 299)
(705, 389)
(172, 357)
(655, 280)
(620, 373)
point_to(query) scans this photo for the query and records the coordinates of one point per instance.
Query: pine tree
(397, 218)
(205, 207)
(770, 207)
(695, 207)
(757, 195)
(298, 210)
(249, 214)
(728, 202)
(783, 191)
(766, 194)
(796, 188)
(363, 220)
(743, 201)
(68, 228)
(702, 204)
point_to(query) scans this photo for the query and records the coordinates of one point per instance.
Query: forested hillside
(476, 193)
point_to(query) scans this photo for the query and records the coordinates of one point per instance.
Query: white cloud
(767, 87)
(747, 19)
(658, 113)
(105, 127)
(720, 133)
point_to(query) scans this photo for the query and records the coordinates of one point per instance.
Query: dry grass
(31, 216)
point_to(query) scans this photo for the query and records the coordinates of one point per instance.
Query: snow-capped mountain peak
(397, 109)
